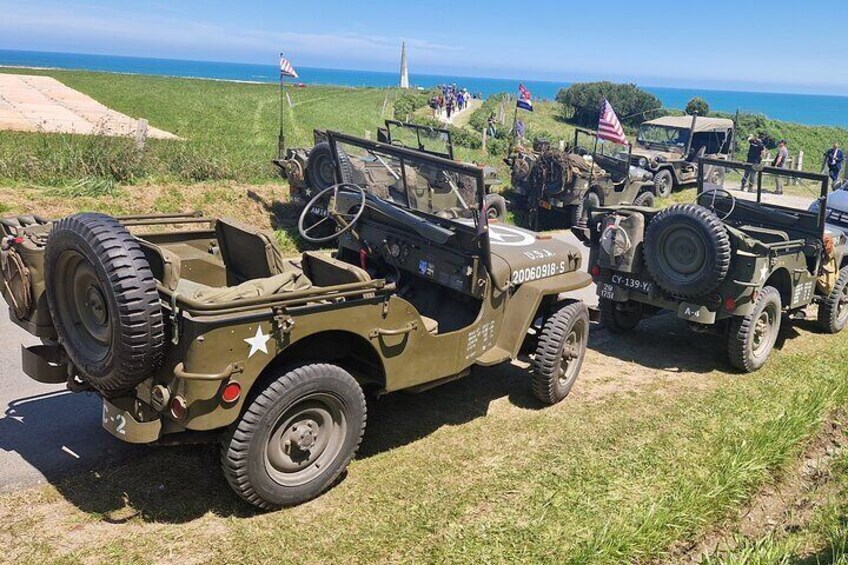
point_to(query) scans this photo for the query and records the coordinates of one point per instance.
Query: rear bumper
(123, 425)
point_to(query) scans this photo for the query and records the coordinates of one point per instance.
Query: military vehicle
(670, 146)
(731, 263)
(310, 170)
(202, 329)
(567, 184)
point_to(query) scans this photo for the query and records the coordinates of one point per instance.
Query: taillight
(178, 407)
(231, 392)
(730, 304)
(595, 271)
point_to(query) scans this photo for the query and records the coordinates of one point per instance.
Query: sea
(808, 109)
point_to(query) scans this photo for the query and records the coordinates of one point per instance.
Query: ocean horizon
(807, 109)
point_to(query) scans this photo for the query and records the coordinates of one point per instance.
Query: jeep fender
(523, 306)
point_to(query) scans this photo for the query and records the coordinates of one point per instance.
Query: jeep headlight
(643, 162)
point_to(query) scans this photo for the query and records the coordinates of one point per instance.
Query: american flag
(286, 69)
(524, 98)
(609, 127)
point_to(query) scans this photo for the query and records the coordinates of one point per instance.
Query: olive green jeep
(201, 328)
(310, 170)
(733, 262)
(565, 185)
(670, 147)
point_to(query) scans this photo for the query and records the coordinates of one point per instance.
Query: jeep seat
(325, 270)
(248, 253)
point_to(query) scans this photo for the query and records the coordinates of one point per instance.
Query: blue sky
(777, 45)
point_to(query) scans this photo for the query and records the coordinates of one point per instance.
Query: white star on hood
(258, 343)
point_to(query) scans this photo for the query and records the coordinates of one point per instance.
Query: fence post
(562, 145)
(141, 134)
(368, 134)
(288, 97)
(485, 137)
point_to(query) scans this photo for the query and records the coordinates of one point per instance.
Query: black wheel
(321, 169)
(495, 206)
(751, 338)
(295, 437)
(687, 250)
(833, 311)
(590, 202)
(664, 183)
(646, 199)
(560, 352)
(619, 318)
(103, 300)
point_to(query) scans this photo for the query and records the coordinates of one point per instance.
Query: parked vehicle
(213, 334)
(731, 263)
(566, 185)
(310, 170)
(670, 146)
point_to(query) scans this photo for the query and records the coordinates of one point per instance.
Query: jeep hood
(531, 256)
(651, 154)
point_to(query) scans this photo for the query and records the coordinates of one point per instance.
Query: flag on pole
(609, 127)
(525, 101)
(286, 69)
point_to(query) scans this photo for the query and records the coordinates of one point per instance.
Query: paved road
(48, 433)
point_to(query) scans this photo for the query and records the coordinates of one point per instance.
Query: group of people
(757, 151)
(451, 99)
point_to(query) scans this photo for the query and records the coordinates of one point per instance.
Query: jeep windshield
(663, 138)
(433, 140)
(416, 181)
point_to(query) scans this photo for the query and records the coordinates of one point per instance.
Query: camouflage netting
(555, 170)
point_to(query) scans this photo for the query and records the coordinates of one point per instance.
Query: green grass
(230, 130)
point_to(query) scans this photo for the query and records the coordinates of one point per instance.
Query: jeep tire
(751, 338)
(687, 250)
(664, 181)
(619, 318)
(104, 302)
(496, 207)
(833, 310)
(295, 437)
(560, 352)
(321, 168)
(645, 200)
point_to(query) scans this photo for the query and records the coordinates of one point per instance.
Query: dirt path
(43, 104)
(460, 118)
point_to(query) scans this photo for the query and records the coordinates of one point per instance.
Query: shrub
(697, 106)
(581, 102)
(411, 100)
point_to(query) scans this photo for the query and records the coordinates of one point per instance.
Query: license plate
(632, 283)
(545, 204)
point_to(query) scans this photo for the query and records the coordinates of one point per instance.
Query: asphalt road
(48, 433)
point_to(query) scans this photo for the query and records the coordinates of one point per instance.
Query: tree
(582, 102)
(697, 106)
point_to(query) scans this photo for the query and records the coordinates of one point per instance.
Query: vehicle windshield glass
(431, 140)
(607, 152)
(417, 182)
(663, 137)
(786, 188)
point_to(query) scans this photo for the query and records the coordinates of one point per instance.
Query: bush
(411, 100)
(460, 136)
(581, 102)
(697, 106)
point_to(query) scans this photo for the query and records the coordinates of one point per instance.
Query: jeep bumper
(124, 426)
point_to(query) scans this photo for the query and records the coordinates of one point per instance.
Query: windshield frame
(652, 144)
(418, 128)
(403, 153)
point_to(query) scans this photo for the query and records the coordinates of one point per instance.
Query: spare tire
(103, 299)
(687, 250)
(321, 169)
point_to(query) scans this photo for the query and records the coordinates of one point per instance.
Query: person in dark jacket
(833, 158)
(756, 150)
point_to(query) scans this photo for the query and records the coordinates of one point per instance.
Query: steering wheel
(324, 206)
(712, 203)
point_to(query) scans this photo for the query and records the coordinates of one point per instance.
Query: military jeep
(202, 328)
(670, 147)
(565, 185)
(310, 170)
(732, 262)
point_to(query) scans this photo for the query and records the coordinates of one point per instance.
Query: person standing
(780, 163)
(449, 106)
(756, 150)
(833, 158)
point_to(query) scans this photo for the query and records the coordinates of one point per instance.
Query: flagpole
(281, 142)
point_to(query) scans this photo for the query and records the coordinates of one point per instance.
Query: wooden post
(385, 101)
(485, 137)
(800, 166)
(562, 145)
(368, 134)
(141, 134)
(288, 97)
